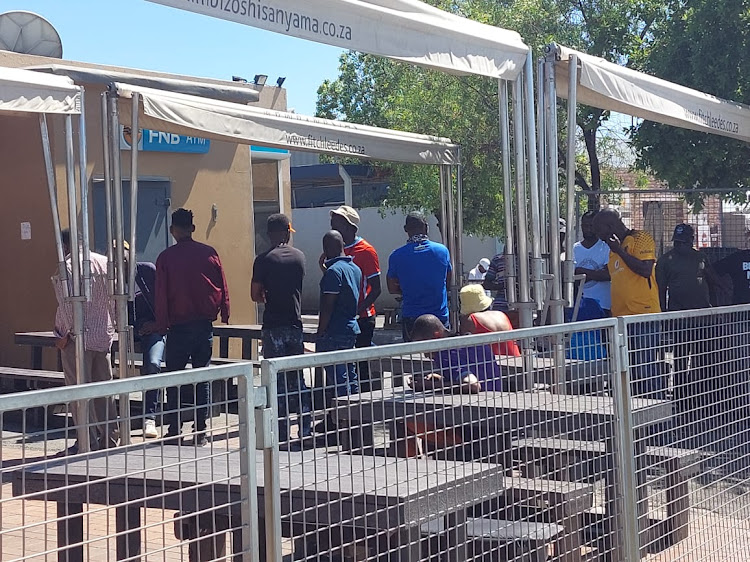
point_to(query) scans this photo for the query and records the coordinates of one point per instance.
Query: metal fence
(618, 439)
(692, 474)
(161, 499)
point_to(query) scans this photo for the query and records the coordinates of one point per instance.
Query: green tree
(704, 45)
(381, 92)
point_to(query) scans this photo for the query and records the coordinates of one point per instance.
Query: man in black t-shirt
(277, 282)
(685, 279)
(737, 266)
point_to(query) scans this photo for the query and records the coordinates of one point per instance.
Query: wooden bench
(496, 540)
(575, 460)
(32, 378)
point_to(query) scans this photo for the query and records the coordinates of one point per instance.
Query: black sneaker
(172, 438)
(200, 440)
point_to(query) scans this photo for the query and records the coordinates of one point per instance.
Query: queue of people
(178, 299)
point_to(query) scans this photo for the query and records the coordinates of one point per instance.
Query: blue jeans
(293, 394)
(646, 366)
(152, 347)
(191, 342)
(341, 379)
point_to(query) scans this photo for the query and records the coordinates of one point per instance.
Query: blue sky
(140, 34)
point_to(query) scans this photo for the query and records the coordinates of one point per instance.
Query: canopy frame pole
(542, 156)
(556, 303)
(525, 313)
(509, 255)
(133, 196)
(448, 221)
(84, 179)
(52, 189)
(459, 222)
(108, 191)
(76, 299)
(570, 176)
(556, 306)
(120, 295)
(537, 266)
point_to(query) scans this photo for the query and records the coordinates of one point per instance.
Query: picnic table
(248, 333)
(375, 493)
(509, 416)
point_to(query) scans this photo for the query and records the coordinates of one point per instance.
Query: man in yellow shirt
(634, 291)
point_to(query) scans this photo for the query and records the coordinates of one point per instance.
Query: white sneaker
(149, 429)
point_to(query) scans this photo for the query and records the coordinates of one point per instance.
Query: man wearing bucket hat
(477, 317)
(346, 220)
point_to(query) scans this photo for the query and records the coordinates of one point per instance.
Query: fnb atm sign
(159, 141)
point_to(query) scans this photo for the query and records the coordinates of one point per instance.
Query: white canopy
(30, 92)
(191, 115)
(610, 86)
(407, 30)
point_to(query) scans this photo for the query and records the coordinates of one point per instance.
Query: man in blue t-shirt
(420, 271)
(337, 325)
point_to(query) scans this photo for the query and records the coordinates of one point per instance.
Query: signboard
(159, 141)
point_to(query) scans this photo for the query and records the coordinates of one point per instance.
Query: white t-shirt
(596, 257)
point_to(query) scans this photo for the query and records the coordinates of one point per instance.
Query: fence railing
(617, 439)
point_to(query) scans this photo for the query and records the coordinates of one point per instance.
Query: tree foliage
(377, 91)
(704, 45)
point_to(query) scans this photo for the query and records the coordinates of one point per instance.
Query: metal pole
(542, 156)
(121, 297)
(271, 469)
(510, 263)
(556, 305)
(460, 221)
(133, 196)
(347, 185)
(75, 298)
(521, 210)
(537, 269)
(450, 238)
(556, 308)
(84, 179)
(443, 204)
(248, 464)
(106, 153)
(52, 189)
(624, 446)
(570, 173)
(280, 180)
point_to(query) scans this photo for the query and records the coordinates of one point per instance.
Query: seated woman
(477, 317)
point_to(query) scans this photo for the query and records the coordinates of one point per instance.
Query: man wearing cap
(277, 282)
(685, 280)
(476, 274)
(142, 316)
(345, 220)
(191, 290)
(420, 271)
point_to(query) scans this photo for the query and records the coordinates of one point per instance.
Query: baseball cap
(279, 222)
(484, 262)
(350, 215)
(683, 233)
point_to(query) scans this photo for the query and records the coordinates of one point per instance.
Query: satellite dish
(29, 34)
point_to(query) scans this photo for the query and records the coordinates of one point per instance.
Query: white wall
(385, 233)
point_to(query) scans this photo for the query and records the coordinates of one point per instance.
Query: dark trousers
(191, 342)
(293, 394)
(364, 339)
